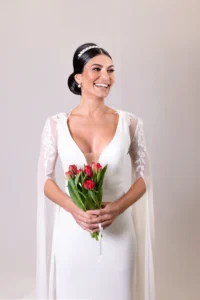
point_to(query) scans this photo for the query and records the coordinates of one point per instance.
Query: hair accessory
(84, 50)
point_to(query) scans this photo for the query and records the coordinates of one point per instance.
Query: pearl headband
(84, 50)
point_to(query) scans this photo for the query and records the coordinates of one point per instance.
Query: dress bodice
(113, 154)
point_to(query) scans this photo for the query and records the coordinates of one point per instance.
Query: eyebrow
(101, 65)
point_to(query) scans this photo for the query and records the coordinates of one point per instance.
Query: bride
(70, 264)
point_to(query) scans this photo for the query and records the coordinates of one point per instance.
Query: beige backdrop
(155, 47)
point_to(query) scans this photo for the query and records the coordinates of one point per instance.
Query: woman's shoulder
(53, 120)
(56, 118)
(133, 121)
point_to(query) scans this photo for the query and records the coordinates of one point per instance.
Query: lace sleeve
(138, 150)
(48, 151)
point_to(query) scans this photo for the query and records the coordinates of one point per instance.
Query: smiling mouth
(102, 86)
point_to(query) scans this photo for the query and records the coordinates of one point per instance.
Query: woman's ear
(77, 77)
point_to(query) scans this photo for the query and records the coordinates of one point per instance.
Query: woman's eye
(98, 69)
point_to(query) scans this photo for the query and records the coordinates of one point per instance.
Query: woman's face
(98, 70)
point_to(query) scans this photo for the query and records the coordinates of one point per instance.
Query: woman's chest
(108, 148)
(92, 137)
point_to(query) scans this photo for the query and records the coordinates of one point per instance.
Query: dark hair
(79, 63)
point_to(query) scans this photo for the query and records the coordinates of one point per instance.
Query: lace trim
(138, 145)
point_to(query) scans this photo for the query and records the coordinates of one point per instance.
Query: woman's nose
(105, 75)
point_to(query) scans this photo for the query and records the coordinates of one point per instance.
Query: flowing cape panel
(142, 213)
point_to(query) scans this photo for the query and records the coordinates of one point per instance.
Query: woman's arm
(136, 191)
(139, 163)
(47, 185)
(55, 194)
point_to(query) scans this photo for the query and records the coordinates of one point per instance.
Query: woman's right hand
(83, 219)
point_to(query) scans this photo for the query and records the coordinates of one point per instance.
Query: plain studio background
(155, 47)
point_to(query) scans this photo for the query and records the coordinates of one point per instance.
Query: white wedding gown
(69, 265)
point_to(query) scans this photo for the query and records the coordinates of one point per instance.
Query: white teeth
(101, 84)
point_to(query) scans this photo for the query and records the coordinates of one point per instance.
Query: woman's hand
(106, 215)
(85, 220)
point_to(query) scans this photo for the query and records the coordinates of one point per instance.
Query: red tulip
(88, 171)
(73, 168)
(89, 184)
(69, 174)
(98, 167)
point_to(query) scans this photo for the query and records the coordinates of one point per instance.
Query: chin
(102, 95)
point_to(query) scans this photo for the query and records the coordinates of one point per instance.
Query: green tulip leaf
(77, 179)
(75, 195)
(82, 194)
(94, 198)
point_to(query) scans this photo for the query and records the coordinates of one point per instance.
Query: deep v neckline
(105, 148)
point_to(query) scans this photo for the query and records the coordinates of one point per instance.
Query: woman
(68, 265)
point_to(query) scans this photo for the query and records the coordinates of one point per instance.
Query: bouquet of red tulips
(85, 187)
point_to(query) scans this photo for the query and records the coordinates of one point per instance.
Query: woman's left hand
(106, 215)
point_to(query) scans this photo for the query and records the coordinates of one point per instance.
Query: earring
(79, 85)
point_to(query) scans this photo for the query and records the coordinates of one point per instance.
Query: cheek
(113, 79)
(92, 75)
(91, 79)
(112, 76)
(89, 82)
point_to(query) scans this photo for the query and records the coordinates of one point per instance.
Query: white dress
(69, 265)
